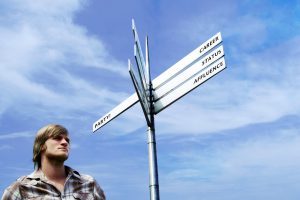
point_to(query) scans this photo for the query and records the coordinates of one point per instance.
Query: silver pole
(153, 171)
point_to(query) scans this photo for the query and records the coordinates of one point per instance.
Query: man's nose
(64, 142)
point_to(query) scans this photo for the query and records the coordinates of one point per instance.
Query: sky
(235, 137)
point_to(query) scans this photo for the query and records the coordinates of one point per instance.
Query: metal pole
(153, 171)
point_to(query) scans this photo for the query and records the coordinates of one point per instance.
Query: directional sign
(191, 84)
(139, 57)
(122, 107)
(142, 95)
(141, 81)
(187, 60)
(148, 77)
(161, 79)
(141, 67)
(189, 72)
(139, 77)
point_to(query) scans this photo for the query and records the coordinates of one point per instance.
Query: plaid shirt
(36, 186)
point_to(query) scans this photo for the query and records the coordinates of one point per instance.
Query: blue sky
(235, 137)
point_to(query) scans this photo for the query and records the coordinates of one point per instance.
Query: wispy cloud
(39, 52)
(225, 162)
(5, 147)
(16, 135)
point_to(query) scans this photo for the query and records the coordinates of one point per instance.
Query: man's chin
(63, 157)
(59, 158)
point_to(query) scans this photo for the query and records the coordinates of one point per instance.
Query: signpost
(200, 65)
(162, 78)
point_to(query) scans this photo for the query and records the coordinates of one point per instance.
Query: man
(51, 178)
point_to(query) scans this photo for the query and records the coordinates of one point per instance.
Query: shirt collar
(72, 172)
(39, 175)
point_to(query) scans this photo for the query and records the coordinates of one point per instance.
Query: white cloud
(260, 165)
(5, 147)
(270, 155)
(39, 42)
(44, 8)
(4, 136)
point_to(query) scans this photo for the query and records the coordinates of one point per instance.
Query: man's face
(57, 148)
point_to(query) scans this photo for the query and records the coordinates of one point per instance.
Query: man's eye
(57, 138)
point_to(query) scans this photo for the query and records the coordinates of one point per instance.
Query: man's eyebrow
(62, 136)
(67, 139)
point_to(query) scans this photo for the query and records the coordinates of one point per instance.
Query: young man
(52, 179)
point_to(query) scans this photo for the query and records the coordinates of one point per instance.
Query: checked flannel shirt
(36, 186)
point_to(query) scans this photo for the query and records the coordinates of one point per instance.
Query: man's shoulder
(86, 177)
(13, 190)
(89, 182)
(24, 180)
(21, 180)
(82, 177)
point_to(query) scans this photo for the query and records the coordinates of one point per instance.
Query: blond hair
(46, 132)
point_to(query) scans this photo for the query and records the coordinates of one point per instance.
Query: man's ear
(43, 148)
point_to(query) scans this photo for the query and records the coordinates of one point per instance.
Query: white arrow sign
(122, 107)
(187, 60)
(188, 73)
(161, 79)
(139, 57)
(191, 84)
